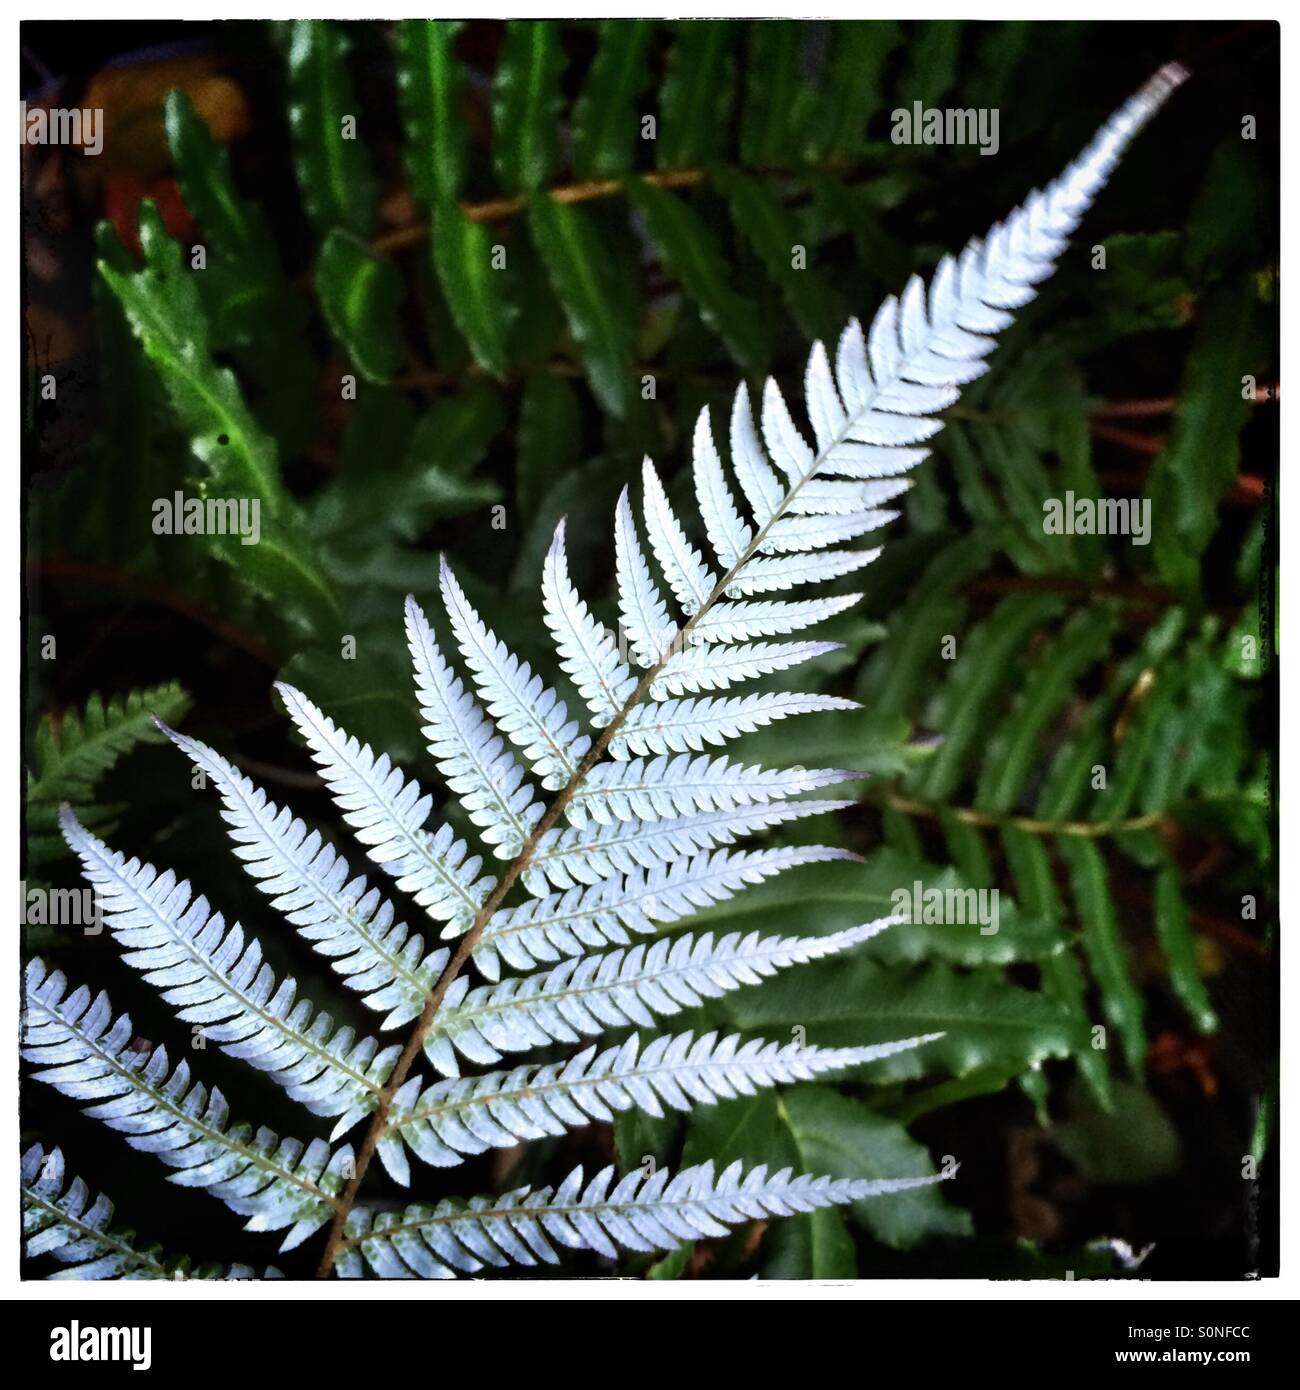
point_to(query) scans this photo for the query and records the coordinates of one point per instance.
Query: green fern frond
(73, 753)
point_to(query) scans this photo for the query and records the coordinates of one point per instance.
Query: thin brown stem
(503, 209)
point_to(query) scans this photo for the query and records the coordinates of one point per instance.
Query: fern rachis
(633, 793)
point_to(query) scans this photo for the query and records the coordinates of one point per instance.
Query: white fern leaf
(741, 622)
(588, 655)
(587, 854)
(476, 764)
(310, 883)
(676, 726)
(60, 1218)
(765, 574)
(641, 606)
(525, 709)
(850, 460)
(387, 812)
(831, 497)
(795, 533)
(790, 451)
(701, 666)
(727, 533)
(214, 977)
(688, 576)
(825, 409)
(621, 988)
(762, 488)
(647, 789)
(86, 1054)
(639, 1212)
(450, 1119)
(609, 913)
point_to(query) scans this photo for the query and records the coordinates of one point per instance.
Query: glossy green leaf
(334, 174)
(251, 307)
(853, 88)
(473, 270)
(988, 657)
(1107, 952)
(526, 104)
(428, 95)
(1062, 980)
(359, 296)
(695, 100)
(1177, 941)
(1013, 751)
(607, 115)
(601, 320)
(239, 459)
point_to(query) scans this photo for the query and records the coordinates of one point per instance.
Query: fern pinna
(638, 833)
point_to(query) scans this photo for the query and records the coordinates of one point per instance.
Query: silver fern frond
(60, 1218)
(641, 1212)
(593, 879)
(387, 811)
(583, 997)
(81, 1050)
(450, 1119)
(217, 978)
(311, 884)
(597, 851)
(579, 919)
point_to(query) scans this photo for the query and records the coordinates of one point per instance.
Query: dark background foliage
(522, 401)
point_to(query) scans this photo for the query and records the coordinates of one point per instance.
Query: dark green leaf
(695, 102)
(473, 270)
(334, 174)
(1107, 954)
(778, 96)
(600, 318)
(853, 89)
(606, 121)
(771, 231)
(1190, 477)
(359, 296)
(549, 439)
(428, 92)
(526, 104)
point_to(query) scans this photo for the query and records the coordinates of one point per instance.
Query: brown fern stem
(582, 191)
